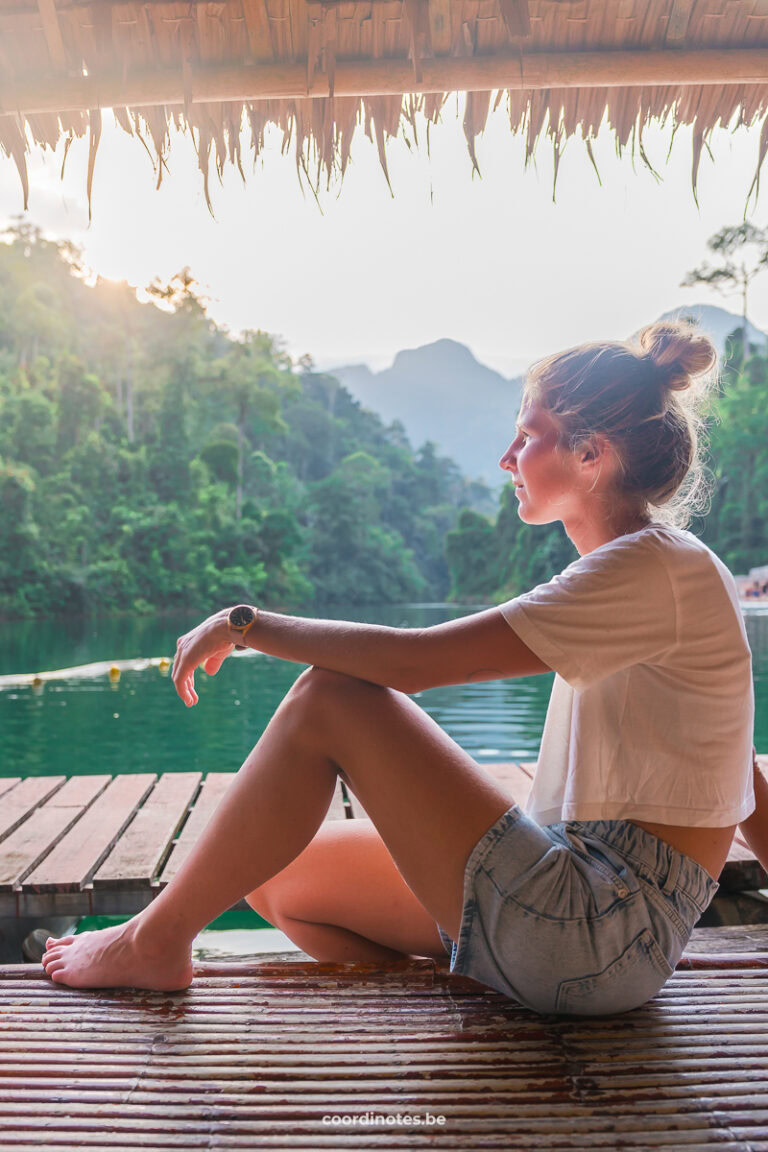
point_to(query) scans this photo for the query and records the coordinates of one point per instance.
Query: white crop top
(652, 709)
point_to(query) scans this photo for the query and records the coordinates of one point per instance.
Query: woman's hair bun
(679, 350)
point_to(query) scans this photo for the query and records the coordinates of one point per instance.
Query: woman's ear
(597, 450)
(596, 458)
(591, 450)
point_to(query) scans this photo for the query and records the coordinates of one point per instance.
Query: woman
(584, 903)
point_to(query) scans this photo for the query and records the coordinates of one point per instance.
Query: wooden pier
(103, 845)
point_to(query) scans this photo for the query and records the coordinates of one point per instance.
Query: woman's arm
(755, 828)
(478, 647)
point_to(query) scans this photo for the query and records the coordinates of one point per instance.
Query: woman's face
(548, 474)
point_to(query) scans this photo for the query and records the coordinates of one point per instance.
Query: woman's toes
(52, 957)
(57, 967)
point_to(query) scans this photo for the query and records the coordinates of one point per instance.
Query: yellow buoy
(164, 664)
(114, 673)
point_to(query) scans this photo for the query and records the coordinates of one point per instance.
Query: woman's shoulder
(673, 543)
(694, 568)
(670, 553)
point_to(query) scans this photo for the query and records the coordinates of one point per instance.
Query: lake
(138, 724)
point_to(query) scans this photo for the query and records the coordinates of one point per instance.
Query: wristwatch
(240, 619)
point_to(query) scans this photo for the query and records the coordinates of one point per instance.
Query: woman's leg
(343, 898)
(427, 798)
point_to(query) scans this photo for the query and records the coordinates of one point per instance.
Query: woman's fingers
(191, 695)
(204, 646)
(213, 663)
(182, 673)
(188, 659)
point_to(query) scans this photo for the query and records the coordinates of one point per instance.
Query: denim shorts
(580, 918)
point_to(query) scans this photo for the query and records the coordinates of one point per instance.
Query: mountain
(440, 392)
(718, 323)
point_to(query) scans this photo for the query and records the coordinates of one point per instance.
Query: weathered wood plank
(36, 836)
(213, 789)
(730, 938)
(8, 782)
(23, 800)
(139, 853)
(76, 857)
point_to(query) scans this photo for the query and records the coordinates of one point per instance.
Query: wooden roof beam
(287, 81)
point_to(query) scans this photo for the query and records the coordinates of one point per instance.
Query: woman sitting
(584, 902)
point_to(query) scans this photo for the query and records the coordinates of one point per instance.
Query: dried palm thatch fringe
(322, 130)
(47, 48)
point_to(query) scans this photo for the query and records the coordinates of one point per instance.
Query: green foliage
(736, 525)
(149, 460)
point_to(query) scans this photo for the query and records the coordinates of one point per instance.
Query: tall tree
(743, 252)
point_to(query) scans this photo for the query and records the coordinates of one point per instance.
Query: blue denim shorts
(580, 918)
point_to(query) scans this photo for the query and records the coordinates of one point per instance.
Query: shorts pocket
(635, 977)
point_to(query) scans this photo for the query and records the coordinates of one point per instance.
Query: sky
(489, 261)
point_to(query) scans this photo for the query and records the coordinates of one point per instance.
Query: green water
(138, 724)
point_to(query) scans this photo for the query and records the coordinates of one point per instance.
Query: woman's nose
(506, 460)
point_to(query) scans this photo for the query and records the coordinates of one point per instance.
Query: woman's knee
(321, 689)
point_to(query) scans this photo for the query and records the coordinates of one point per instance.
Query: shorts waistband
(648, 853)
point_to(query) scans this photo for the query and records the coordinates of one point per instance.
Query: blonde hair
(648, 398)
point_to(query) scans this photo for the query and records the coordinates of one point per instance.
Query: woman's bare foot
(119, 957)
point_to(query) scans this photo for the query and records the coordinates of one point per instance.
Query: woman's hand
(207, 644)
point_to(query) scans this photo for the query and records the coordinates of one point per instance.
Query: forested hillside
(149, 460)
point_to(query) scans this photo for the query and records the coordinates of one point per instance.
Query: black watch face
(241, 616)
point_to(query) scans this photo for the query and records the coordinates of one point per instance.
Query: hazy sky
(489, 261)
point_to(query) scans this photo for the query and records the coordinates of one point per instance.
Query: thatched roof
(320, 68)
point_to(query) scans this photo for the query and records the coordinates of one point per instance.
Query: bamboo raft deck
(265, 1053)
(103, 845)
(258, 1055)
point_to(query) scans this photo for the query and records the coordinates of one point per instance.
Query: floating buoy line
(112, 669)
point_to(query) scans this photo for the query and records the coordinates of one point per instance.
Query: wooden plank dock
(101, 845)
